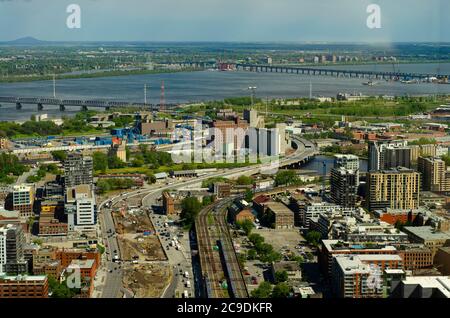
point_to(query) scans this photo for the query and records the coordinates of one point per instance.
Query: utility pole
(310, 89)
(145, 93)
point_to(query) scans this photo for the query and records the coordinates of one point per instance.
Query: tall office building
(78, 169)
(433, 174)
(21, 200)
(12, 241)
(344, 186)
(395, 188)
(81, 209)
(377, 153)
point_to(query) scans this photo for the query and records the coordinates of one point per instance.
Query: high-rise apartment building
(344, 186)
(395, 188)
(433, 174)
(78, 169)
(377, 154)
(12, 258)
(397, 157)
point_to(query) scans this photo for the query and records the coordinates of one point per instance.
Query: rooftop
(427, 233)
(82, 264)
(440, 282)
(278, 208)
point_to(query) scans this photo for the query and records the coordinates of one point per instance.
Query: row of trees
(264, 251)
(265, 290)
(103, 162)
(79, 123)
(41, 173)
(154, 159)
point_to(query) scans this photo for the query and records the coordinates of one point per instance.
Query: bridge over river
(83, 104)
(339, 72)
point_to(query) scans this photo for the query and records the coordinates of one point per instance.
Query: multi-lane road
(113, 283)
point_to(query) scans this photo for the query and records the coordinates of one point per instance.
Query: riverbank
(33, 78)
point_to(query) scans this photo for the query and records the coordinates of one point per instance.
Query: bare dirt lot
(130, 223)
(141, 248)
(147, 280)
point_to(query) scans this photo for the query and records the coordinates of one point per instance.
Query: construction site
(147, 280)
(146, 271)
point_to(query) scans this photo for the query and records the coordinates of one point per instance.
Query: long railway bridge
(337, 72)
(82, 103)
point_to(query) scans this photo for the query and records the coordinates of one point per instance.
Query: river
(211, 85)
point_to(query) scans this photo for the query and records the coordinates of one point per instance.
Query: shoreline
(103, 74)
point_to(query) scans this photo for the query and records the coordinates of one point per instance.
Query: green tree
(286, 177)
(313, 237)
(190, 207)
(256, 239)
(281, 277)
(60, 290)
(281, 290)
(248, 195)
(263, 291)
(244, 180)
(100, 161)
(59, 155)
(252, 255)
(247, 226)
(115, 163)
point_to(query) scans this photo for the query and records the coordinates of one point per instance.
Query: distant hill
(28, 40)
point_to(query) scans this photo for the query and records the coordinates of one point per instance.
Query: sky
(227, 20)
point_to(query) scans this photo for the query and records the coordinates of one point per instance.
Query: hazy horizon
(249, 21)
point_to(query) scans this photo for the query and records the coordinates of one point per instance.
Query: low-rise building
(222, 189)
(442, 260)
(415, 257)
(281, 215)
(423, 287)
(428, 236)
(334, 248)
(23, 287)
(292, 269)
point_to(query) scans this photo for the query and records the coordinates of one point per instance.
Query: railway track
(218, 260)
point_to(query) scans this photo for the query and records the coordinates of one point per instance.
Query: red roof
(261, 199)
